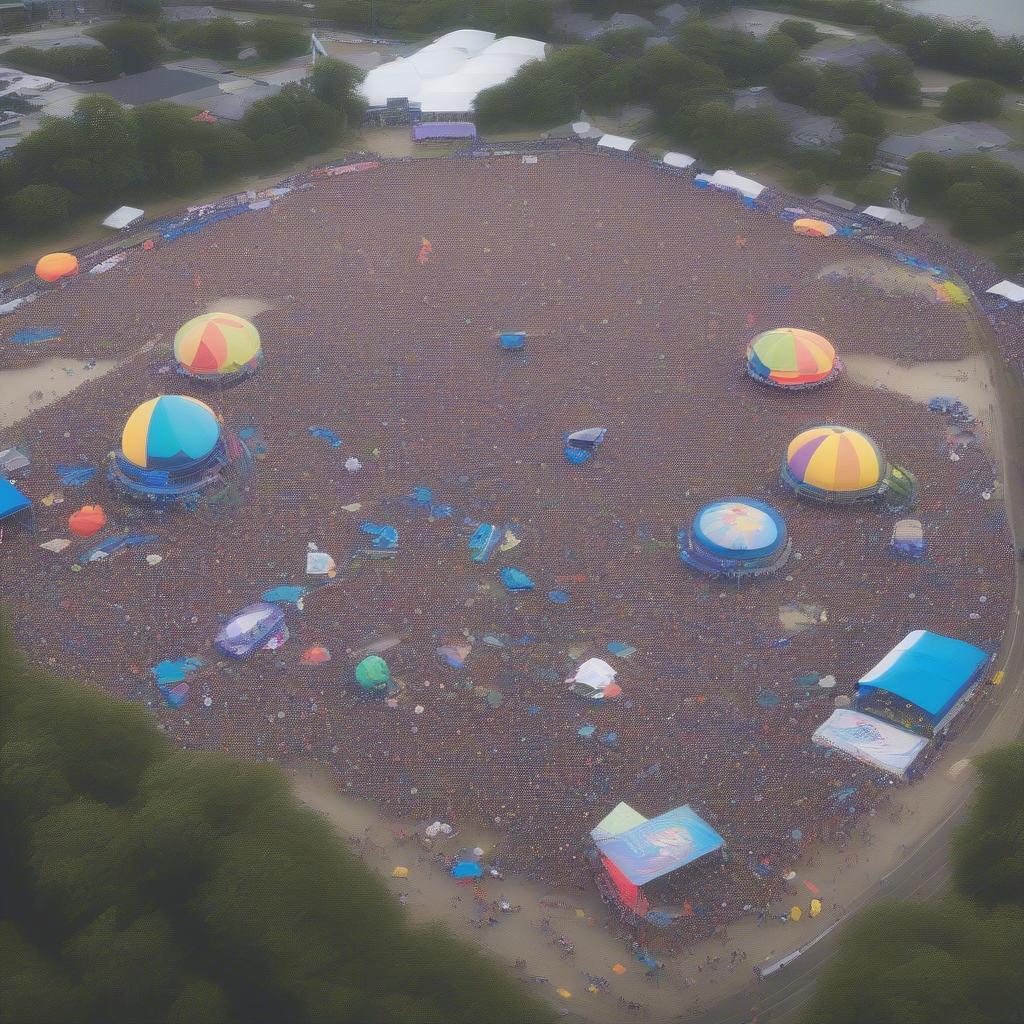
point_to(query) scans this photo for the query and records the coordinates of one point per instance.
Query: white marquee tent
(1008, 290)
(887, 215)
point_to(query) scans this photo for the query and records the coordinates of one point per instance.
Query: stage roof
(661, 845)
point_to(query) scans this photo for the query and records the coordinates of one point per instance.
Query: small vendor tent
(870, 740)
(14, 506)
(1008, 290)
(123, 218)
(887, 215)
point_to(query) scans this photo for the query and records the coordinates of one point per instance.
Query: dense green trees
(135, 44)
(984, 198)
(892, 80)
(956, 960)
(70, 63)
(973, 100)
(104, 154)
(989, 851)
(803, 33)
(507, 17)
(143, 883)
(335, 82)
(276, 39)
(218, 37)
(953, 47)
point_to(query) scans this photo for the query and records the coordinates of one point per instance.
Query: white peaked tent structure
(444, 78)
(1008, 290)
(887, 215)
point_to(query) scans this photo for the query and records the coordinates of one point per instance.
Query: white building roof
(518, 45)
(616, 142)
(446, 76)
(123, 216)
(890, 216)
(472, 40)
(1008, 290)
(677, 160)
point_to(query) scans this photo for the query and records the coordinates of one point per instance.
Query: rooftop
(151, 86)
(806, 128)
(947, 140)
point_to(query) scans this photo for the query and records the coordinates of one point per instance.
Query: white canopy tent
(870, 740)
(123, 217)
(731, 181)
(619, 143)
(677, 160)
(887, 215)
(1008, 290)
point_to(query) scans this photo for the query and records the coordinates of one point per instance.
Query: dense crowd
(638, 294)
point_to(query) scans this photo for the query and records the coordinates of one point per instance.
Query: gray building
(846, 54)
(947, 140)
(807, 130)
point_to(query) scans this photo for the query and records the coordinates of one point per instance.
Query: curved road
(781, 996)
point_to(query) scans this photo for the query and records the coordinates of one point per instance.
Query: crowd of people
(638, 295)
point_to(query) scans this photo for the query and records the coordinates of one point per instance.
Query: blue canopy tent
(15, 506)
(922, 682)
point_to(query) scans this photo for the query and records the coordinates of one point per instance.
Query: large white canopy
(870, 740)
(1008, 290)
(889, 216)
(446, 76)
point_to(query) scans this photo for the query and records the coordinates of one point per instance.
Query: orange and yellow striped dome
(216, 345)
(835, 459)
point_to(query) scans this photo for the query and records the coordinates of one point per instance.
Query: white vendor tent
(870, 740)
(617, 142)
(677, 160)
(1008, 290)
(124, 217)
(730, 181)
(889, 216)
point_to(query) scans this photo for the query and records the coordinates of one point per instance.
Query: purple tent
(443, 130)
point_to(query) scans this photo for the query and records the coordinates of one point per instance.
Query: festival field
(638, 294)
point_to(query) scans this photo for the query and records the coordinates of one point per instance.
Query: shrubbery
(218, 37)
(972, 101)
(400, 17)
(135, 43)
(70, 63)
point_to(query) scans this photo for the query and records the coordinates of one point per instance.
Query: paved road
(780, 998)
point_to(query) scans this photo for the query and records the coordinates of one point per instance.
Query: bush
(145, 883)
(972, 101)
(143, 10)
(795, 81)
(855, 156)
(335, 82)
(803, 33)
(134, 43)
(221, 37)
(276, 40)
(926, 178)
(71, 63)
(863, 117)
(39, 207)
(623, 42)
(893, 80)
(292, 124)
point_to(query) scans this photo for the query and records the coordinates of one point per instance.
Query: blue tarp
(660, 845)
(467, 869)
(179, 230)
(11, 499)
(75, 476)
(115, 544)
(31, 335)
(326, 435)
(930, 671)
(515, 579)
(285, 595)
(167, 673)
(385, 538)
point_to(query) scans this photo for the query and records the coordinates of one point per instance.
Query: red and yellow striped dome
(216, 345)
(791, 357)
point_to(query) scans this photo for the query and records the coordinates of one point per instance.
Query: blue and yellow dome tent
(174, 449)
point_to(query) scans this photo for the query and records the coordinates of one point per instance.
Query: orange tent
(56, 265)
(89, 519)
(425, 250)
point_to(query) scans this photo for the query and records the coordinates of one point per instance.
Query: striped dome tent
(831, 463)
(172, 432)
(790, 357)
(218, 347)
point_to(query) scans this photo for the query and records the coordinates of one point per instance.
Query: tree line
(132, 45)
(139, 882)
(103, 155)
(957, 959)
(412, 19)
